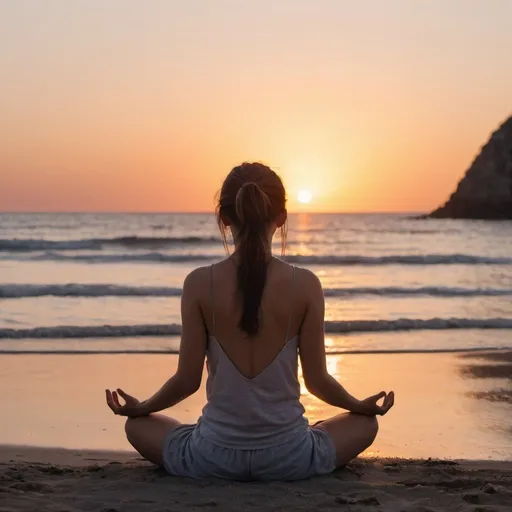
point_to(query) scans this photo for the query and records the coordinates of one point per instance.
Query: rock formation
(485, 192)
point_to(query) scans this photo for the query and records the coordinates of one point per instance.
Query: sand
(41, 479)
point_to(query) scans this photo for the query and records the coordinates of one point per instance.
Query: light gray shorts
(187, 453)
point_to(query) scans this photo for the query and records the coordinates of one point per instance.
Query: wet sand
(447, 405)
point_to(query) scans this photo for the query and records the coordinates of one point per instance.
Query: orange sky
(131, 106)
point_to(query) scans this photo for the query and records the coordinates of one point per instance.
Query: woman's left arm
(187, 379)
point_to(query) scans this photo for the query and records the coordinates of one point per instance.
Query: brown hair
(251, 198)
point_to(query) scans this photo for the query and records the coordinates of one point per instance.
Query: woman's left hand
(371, 407)
(131, 408)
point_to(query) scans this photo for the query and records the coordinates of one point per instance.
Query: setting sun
(304, 196)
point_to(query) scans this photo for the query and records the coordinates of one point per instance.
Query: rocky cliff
(485, 192)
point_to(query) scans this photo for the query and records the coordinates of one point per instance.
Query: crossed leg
(147, 434)
(351, 434)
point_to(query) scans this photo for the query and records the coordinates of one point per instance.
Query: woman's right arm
(187, 378)
(317, 379)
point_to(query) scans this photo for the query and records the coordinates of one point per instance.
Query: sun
(304, 196)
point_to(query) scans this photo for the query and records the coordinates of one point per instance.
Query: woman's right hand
(131, 408)
(370, 406)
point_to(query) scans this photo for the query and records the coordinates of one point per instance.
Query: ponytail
(253, 210)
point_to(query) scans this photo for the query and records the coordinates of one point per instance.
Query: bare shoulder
(196, 281)
(307, 279)
(309, 295)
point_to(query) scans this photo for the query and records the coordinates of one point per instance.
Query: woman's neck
(235, 255)
(268, 251)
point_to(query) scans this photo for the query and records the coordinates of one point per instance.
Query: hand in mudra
(131, 408)
(371, 406)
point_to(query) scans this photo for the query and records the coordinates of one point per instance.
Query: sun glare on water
(304, 196)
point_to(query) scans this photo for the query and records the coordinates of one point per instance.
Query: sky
(122, 105)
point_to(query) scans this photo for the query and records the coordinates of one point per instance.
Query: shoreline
(51, 479)
(470, 350)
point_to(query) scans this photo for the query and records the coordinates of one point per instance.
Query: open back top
(252, 412)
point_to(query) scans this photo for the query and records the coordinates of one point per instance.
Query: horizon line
(202, 212)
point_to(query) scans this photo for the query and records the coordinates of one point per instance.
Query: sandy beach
(69, 481)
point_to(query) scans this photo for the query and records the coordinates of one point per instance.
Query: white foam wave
(152, 257)
(348, 260)
(11, 291)
(33, 244)
(91, 331)
(345, 326)
(435, 291)
(405, 259)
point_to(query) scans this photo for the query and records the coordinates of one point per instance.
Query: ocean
(95, 283)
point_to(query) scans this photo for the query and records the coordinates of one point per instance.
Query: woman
(251, 316)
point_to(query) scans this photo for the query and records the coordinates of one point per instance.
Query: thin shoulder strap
(292, 288)
(212, 296)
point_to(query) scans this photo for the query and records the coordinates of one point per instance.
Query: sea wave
(400, 259)
(32, 244)
(434, 291)
(18, 291)
(346, 260)
(334, 327)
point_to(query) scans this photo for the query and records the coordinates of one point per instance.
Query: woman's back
(280, 315)
(252, 389)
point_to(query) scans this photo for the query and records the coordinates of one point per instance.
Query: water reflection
(435, 414)
(490, 365)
